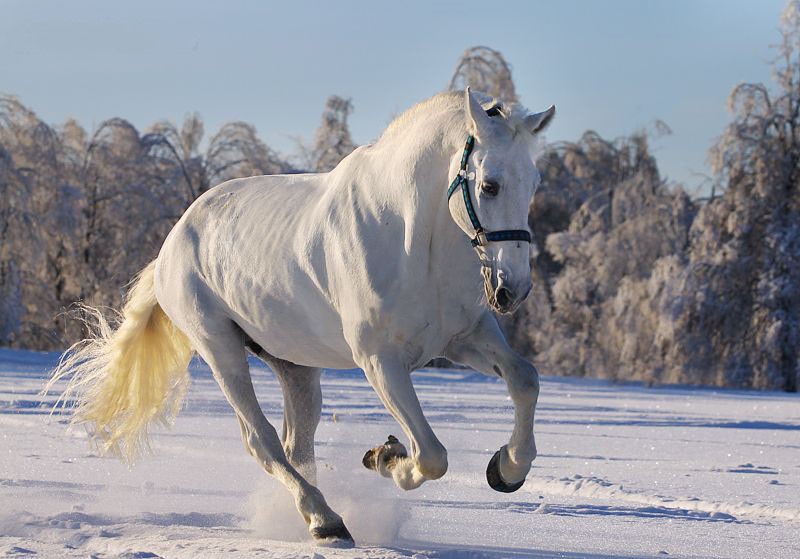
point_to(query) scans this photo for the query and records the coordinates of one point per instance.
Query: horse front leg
(486, 350)
(428, 459)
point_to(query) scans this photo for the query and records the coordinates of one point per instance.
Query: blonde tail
(125, 378)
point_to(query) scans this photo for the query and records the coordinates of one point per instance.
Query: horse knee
(526, 380)
(531, 380)
(433, 464)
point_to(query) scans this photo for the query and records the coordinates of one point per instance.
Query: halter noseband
(482, 238)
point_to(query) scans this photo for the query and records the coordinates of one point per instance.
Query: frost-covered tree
(484, 69)
(15, 214)
(234, 151)
(332, 141)
(36, 172)
(602, 221)
(636, 281)
(737, 315)
(632, 279)
(81, 213)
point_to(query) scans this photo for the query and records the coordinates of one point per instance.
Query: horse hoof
(495, 480)
(369, 459)
(333, 536)
(382, 458)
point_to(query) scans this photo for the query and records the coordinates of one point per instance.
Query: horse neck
(438, 248)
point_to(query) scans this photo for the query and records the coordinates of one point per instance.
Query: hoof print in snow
(17, 551)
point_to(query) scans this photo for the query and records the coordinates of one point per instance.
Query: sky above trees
(614, 67)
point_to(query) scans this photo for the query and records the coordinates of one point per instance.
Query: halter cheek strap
(482, 237)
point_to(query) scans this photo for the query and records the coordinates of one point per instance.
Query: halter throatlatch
(481, 237)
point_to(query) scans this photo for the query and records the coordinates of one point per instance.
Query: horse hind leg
(245, 435)
(302, 409)
(225, 354)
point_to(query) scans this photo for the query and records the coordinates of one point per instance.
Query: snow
(623, 471)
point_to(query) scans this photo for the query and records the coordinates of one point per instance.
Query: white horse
(374, 265)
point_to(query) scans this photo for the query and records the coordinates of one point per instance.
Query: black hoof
(333, 536)
(495, 481)
(369, 459)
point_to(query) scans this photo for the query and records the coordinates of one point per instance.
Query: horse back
(251, 250)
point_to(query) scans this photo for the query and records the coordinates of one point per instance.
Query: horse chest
(416, 327)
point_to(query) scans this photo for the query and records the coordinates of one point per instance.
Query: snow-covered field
(623, 471)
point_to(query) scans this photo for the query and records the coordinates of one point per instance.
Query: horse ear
(537, 122)
(478, 120)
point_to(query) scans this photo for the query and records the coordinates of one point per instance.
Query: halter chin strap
(482, 237)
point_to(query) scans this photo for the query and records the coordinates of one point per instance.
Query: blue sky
(612, 66)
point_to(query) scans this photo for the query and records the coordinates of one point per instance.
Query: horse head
(497, 180)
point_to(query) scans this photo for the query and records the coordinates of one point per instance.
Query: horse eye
(490, 187)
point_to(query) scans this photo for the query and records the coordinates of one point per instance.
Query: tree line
(81, 213)
(633, 278)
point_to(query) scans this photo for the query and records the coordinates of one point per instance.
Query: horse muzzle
(502, 297)
(508, 301)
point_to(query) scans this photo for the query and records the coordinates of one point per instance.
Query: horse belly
(302, 329)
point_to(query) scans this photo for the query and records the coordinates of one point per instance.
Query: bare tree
(484, 69)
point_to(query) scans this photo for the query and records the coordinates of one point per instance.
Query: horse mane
(449, 107)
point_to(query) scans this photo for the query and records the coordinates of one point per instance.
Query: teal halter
(482, 238)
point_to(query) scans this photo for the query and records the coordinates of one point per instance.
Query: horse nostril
(504, 297)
